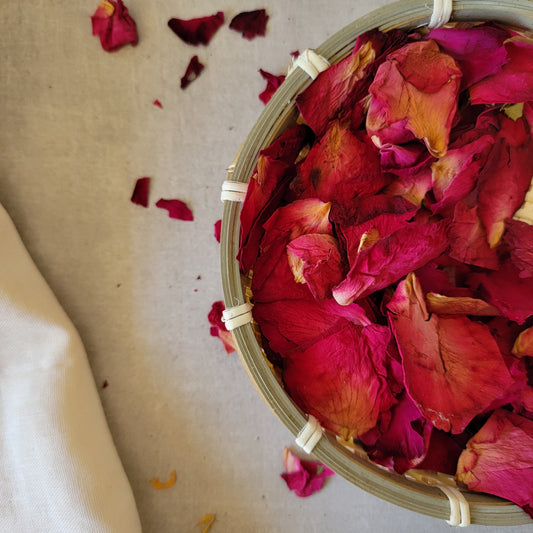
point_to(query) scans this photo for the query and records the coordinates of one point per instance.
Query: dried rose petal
(194, 68)
(218, 226)
(303, 477)
(157, 103)
(514, 82)
(141, 191)
(443, 357)
(519, 238)
(524, 343)
(459, 305)
(414, 95)
(273, 83)
(198, 30)
(207, 521)
(176, 209)
(250, 23)
(442, 453)
(498, 459)
(218, 328)
(114, 25)
(341, 379)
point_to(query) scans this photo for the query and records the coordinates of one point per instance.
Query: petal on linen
(498, 458)
(218, 328)
(514, 82)
(404, 251)
(341, 379)
(273, 84)
(303, 477)
(176, 209)
(459, 305)
(443, 357)
(468, 239)
(198, 30)
(502, 289)
(193, 70)
(315, 259)
(338, 91)
(506, 176)
(141, 192)
(266, 188)
(340, 167)
(415, 93)
(400, 441)
(114, 25)
(294, 325)
(519, 238)
(479, 50)
(250, 24)
(523, 344)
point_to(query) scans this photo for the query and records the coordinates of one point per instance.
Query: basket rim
(280, 111)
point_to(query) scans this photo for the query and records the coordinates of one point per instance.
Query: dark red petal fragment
(198, 30)
(443, 357)
(273, 83)
(250, 23)
(140, 192)
(157, 103)
(193, 71)
(218, 328)
(303, 477)
(114, 25)
(218, 226)
(176, 209)
(442, 453)
(519, 238)
(498, 459)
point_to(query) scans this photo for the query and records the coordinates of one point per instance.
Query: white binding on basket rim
(442, 11)
(234, 191)
(235, 317)
(310, 62)
(309, 435)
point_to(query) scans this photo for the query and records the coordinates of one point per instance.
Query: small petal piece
(207, 521)
(176, 209)
(141, 191)
(218, 226)
(194, 68)
(114, 25)
(250, 23)
(198, 30)
(303, 477)
(166, 484)
(218, 328)
(273, 83)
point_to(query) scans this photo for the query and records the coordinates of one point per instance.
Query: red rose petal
(498, 459)
(250, 23)
(114, 25)
(141, 191)
(273, 83)
(194, 69)
(157, 103)
(198, 30)
(519, 238)
(218, 226)
(218, 328)
(443, 357)
(176, 209)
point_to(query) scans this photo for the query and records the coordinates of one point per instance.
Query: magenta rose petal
(114, 25)
(194, 69)
(141, 192)
(273, 83)
(218, 328)
(250, 24)
(197, 30)
(498, 459)
(217, 228)
(176, 209)
(304, 478)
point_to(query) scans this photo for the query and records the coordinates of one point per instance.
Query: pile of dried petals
(391, 245)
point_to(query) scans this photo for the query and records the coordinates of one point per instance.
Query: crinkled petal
(114, 25)
(176, 209)
(498, 459)
(194, 69)
(519, 238)
(341, 379)
(443, 357)
(459, 305)
(197, 30)
(273, 84)
(250, 23)
(416, 91)
(218, 328)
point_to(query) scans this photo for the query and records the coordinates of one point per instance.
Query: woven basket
(278, 115)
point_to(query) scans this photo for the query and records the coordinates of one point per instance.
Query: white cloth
(59, 468)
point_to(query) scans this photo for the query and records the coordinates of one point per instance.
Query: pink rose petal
(197, 30)
(218, 328)
(141, 191)
(250, 23)
(303, 477)
(217, 228)
(114, 25)
(176, 209)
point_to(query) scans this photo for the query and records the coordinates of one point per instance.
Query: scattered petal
(250, 23)
(207, 521)
(176, 209)
(166, 484)
(193, 70)
(218, 328)
(157, 103)
(218, 226)
(141, 191)
(303, 477)
(198, 30)
(114, 25)
(273, 83)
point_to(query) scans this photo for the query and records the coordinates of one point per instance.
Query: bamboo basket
(279, 114)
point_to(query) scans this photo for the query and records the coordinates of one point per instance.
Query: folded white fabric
(59, 469)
